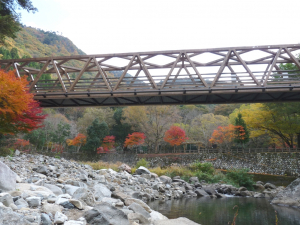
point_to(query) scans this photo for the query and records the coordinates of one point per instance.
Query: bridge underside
(197, 76)
(173, 99)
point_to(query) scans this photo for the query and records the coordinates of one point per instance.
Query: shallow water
(207, 211)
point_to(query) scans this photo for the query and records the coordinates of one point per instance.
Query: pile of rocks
(36, 189)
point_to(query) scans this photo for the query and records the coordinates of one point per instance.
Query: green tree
(95, 134)
(9, 18)
(120, 130)
(241, 138)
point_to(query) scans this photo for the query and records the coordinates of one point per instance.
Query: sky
(116, 26)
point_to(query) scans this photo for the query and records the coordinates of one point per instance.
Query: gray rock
(125, 167)
(120, 195)
(201, 193)
(17, 152)
(258, 187)
(142, 170)
(75, 222)
(101, 191)
(60, 218)
(45, 219)
(129, 201)
(51, 208)
(104, 213)
(42, 170)
(156, 216)
(6, 199)
(290, 196)
(8, 217)
(67, 205)
(165, 179)
(21, 203)
(56, 190)
(259, 195)
(137, 208)
(70, 189)
(132, 217)
(84, 195)
(194, 180)
(33, 201)
(269, 185)
(7, 178)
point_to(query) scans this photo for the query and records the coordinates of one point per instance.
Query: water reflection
(207, 211)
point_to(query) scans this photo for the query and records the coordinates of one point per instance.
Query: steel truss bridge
(199, 76)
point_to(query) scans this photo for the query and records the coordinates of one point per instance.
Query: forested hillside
(32, 42)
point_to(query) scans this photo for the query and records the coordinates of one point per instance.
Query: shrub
(203, 167)
(240, 177)
(5, 151)
(142, 162)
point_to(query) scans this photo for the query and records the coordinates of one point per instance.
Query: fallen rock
(104, 213)
(290, 196)
(125, 167)
(7, 178)
(142, 170)
(60, 218)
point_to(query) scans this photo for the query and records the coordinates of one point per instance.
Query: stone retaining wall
(269, 163)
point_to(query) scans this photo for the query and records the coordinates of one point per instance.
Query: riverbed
(207, 211)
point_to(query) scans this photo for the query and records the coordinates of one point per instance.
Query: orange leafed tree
(175, 136)
(78, 141)
(224, 136)
(19, 112)
(134, 139)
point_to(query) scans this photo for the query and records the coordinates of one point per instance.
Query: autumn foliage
(79, 140)
(175, 136)
(134, 139)
(19, 112)
(226, 134)
(57, 148)
(21, 143)
(108, 143)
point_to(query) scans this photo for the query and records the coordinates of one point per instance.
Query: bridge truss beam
(201, 76)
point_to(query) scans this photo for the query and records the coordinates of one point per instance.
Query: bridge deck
(223, 75)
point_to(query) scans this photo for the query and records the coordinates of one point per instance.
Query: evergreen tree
(120, 130)
(241, 138)
(95, 134)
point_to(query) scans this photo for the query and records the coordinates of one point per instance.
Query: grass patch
(103, 165)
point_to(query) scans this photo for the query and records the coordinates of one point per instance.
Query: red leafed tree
(57, 148)
(175, 136)
(224, 136)
(19, 112)
(108, 143)
(134, 139)
(21, 143)
(78, 141)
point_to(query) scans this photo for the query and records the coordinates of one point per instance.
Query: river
(207, 211)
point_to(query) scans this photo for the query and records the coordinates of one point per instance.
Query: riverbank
(38, 189)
